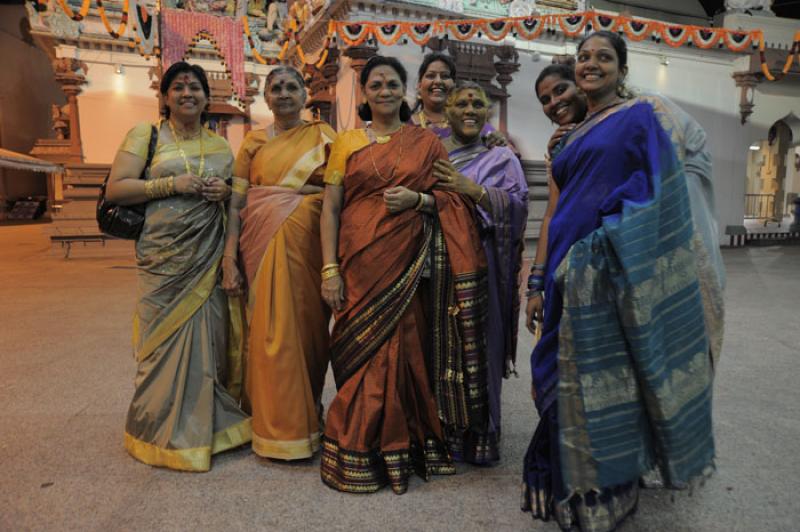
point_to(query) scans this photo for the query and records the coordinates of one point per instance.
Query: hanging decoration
(251, 43)
(68, 10)
(573, 25)
(143, 33)
(122, 23)
(181, 30)
(794, 53)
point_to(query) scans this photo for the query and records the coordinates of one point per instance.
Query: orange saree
(287, 319)
(414, 285)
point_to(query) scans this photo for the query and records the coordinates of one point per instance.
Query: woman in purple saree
(494, 179)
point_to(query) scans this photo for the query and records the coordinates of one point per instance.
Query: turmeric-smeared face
(467, 111)
(384, 91)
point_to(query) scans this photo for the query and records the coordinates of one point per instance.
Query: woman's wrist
(159, 188)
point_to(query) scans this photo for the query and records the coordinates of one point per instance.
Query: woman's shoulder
(325, 129)
(216, 141)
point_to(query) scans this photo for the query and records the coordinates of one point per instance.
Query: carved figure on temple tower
(765, 6)
(60, 117)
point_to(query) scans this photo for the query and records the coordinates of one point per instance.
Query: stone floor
(66, 376)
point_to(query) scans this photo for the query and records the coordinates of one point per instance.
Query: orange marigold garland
(122, 23)
(81, 14)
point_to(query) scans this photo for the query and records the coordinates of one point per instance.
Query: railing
(759, 207)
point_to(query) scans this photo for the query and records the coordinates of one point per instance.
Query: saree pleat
(287, 319)
(384, 423)
(623, 370)
(182, 412)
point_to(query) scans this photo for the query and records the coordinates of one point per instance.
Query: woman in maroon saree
(406, 275)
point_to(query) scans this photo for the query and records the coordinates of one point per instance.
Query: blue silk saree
(623, 370)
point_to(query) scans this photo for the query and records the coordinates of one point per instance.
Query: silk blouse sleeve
(137, 140)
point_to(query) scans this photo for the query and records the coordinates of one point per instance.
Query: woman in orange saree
(405, 272)
(279, 171)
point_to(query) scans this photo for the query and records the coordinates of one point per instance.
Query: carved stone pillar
(359, 55)
(506, 65)
(322, 88)
(250, 92)
(747, 82)
(70, 74)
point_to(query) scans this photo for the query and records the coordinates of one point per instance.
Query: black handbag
(124, 221)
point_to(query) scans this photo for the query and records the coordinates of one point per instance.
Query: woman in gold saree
(405, 272)
(185, 405)
(275, 223)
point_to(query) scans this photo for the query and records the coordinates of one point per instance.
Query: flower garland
(68, 10)
(573, 25)
(122, 23)
(256, 54)
(794, 51)
(143, 35)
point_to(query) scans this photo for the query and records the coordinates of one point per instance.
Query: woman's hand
(333, 292)
(188, 184)
(399, 199)
(453, 180)
(215, 189)
(232, 281)
(558, 135)
(533, 312)
(495, 139)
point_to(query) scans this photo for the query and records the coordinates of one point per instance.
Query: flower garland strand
(793, 52)
(68, 10)
(573, 25)
(122, 23)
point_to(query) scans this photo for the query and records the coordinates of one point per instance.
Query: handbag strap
(151, 149)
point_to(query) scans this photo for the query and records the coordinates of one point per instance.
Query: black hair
(427, 61)
(285, 69)
(558, 69)
(617, 42)
(182, 67)
(364, 111)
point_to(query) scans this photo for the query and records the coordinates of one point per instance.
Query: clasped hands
(210, 188)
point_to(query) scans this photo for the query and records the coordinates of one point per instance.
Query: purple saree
(502, 231)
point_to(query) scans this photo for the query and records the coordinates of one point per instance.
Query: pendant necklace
(383, 140)
(202, 164)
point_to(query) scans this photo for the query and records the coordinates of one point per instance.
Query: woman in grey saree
(187, 334)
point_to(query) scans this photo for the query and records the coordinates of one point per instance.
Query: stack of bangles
(535, 281)
(162, 187)
(329, 271)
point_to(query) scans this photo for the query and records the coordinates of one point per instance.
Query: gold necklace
(202, 164)
(424, 121)
(396, 163)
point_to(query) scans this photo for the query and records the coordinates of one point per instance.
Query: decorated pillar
(70, 74)
(250, 92)
(359, 55)
(507, 63)
(322, 88)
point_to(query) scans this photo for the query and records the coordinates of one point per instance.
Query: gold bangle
(148, 189)
(240, 186)
(330, 266)
(420, 202)
(330, 274)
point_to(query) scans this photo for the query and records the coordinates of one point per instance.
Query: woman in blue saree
(494, 179)
(622, 373)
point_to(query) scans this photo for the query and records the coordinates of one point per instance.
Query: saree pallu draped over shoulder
(287, 319)
(384, 422)
(502, 228)
(187, 333)
(624, 369)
